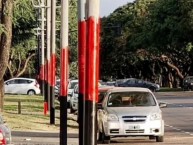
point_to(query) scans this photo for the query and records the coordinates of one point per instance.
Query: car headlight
(155, 116)
(112, 117)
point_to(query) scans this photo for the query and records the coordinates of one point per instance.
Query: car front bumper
(116, 128)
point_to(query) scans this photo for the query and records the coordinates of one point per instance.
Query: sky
(108, 6)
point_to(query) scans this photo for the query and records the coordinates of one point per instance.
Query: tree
(6, 11)
(155, 39)
(24, 41)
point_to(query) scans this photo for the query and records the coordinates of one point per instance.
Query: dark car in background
(133, 82)
(188, 83)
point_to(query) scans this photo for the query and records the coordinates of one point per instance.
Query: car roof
(126, 89)
(73, 80)
(21, 78)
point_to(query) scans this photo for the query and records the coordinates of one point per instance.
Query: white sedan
(130, 111)
(22, 86)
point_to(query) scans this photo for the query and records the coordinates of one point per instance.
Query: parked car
(111, 83)
(74, 99)
(130, 111)
(57, 91)
(71, 85)
(5, 133)
(188, 83)
(133, 82)
(22, 86)
(57, 88)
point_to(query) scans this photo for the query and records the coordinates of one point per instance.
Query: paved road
(178, 126)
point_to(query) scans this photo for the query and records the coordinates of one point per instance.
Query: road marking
(178, 105)
(178, 129)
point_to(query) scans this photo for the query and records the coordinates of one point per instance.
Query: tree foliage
(155, 42)
(24, 41)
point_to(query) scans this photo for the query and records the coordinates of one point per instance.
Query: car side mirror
(99, 106)
(162, 105)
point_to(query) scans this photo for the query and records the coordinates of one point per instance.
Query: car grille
(134, 131)
(134, 118)
(114, 131)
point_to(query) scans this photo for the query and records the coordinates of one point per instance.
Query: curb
(41, 134)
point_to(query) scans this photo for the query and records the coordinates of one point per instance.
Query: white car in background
(22, 86)
(71, 85)
(74, 100)
(130, 111)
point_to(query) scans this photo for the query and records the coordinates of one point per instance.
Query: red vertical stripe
(91, 56)
(64, 72)
(48, 72)
(98, 55)
(53, 70)
(82, 55)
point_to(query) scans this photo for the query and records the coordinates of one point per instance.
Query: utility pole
(64, 62)
(53, 61)
(41, 5)
(48, 42)
(81, 68)
(92, 72)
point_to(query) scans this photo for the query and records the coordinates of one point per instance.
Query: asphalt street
(178, 126)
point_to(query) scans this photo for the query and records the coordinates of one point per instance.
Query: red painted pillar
(81, 67)
(53, 61)
(91, 96)
(43, 66)
(64, 72)
(98, 43)
(48, 42)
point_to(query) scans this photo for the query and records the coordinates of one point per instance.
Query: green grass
(32, 115)
(29, 104)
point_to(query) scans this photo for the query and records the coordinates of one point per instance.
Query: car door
(10, 86)
(23, 86)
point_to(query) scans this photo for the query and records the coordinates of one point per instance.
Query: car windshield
(101, 96)
(130, 99)
(72, 84)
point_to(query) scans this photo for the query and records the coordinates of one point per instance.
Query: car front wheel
(72, 110)
(159, 138)
(105, 139)
(99, 135)
(31, 92)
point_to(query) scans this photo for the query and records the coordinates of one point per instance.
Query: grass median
(26, 113)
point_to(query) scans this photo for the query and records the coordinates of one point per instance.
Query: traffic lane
(174, 94)
(179, 118)
(178, 113)
(168, 140)
(178, 98)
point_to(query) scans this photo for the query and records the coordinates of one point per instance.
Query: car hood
(121, 111)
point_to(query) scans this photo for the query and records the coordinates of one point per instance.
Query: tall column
(91, 96)
(64, 62)
(53, 61)
(81, 67)
(48, 34)
(42, 69)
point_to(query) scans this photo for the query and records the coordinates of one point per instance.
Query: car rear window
(130, 99)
